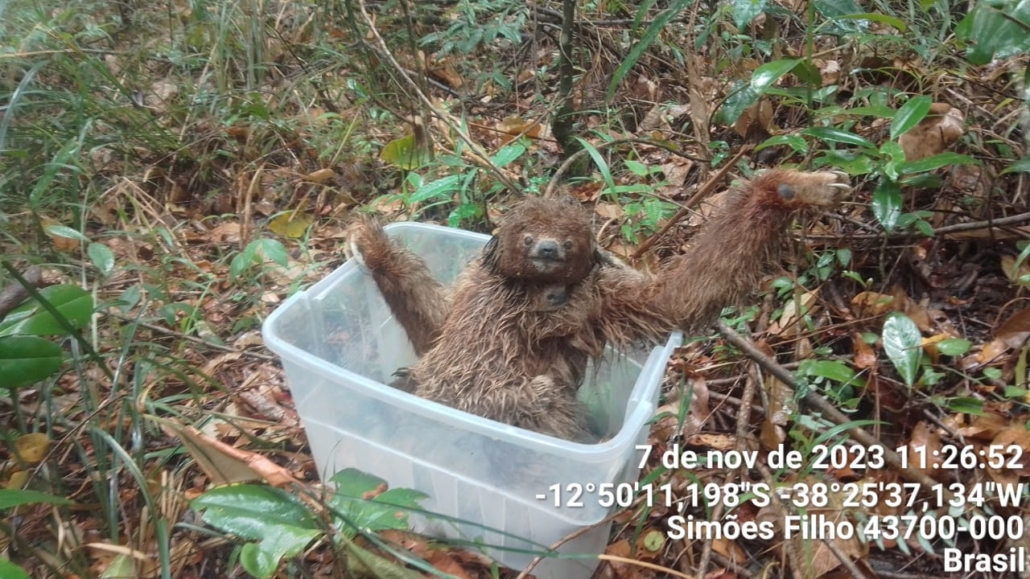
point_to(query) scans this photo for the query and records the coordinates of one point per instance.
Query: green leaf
(966, 405)
(1020, 166)
(829, 135)
(30, 318)
(352, 482)
(66, 232)
(9, 570)
(738, 101)
(638, 50)
(887, 204)
(25, 360)
(793, 141)
(637, 168)
(262, 559)
(102, 257)
(252, 511)
(509, 153)
(953, 346)
(16, 497)
(404, 153)
(436, 190)
(936, 162)
(379, 514)
(765, 75)
(744, 11)
(829, 369)
(998, 30)
(272, 249)
(902, 341)
(909, 115)
(602, 165)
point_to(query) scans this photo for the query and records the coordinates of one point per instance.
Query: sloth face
(544, 241)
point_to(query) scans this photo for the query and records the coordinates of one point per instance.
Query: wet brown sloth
(510, 341)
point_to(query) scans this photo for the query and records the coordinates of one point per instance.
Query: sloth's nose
(547, 249)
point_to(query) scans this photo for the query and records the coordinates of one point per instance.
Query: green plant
(279, 525)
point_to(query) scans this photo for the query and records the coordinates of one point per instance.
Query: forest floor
(172, 173)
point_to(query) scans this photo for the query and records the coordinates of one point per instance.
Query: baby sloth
(511, 340)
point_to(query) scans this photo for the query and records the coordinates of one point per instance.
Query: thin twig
(564, 167)
(188, 338)
(577, 533)
(694, 199)
(480, 156)
(14, 294)
(822, 405)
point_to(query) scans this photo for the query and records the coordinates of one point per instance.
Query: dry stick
(956, 228)
(844, 559)
(14, 294)
(694, 199)
(188, 338)
(483, 158)
(564, 167)
(821, 404)
(743, 421)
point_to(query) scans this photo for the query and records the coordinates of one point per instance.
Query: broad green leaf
(351, 482)
(909, 115)
(837, 12)
(9, 570)
(102, 257)
(887, 204)
(16, 497)
(838, 136)
(636, 167)
(509, 153)
(404, 153)
(738, 101)
(829, 369)
(903, 343)
(936, 162)
(793, 141)
(66, 232)
(953, 346)
(25, 360)
(378, 514)
(966, 405)
(436, 190)
(744, 11)
(242, 261)
(252, 511)
(852, 163)
(261, 559)
(30, 318)
(997, 30)
(1020, 166)
(638, 50)
(274, 250)
(765, 75)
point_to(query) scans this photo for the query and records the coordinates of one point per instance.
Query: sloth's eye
(527, 240)
(567, 245)
(785, 191)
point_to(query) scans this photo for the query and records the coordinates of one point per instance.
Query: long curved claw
(843, 186)
(840, 174)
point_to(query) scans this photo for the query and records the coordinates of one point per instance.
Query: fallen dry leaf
(942, 126)
(1015, 330)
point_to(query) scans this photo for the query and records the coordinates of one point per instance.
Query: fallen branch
(694, 200)
(822, 405)
(14, 294)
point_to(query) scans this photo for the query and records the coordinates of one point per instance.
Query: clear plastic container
(340, 345)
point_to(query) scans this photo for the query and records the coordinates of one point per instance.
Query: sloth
(510, 341)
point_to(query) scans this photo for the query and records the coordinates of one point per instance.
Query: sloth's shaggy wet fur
(511, 340)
